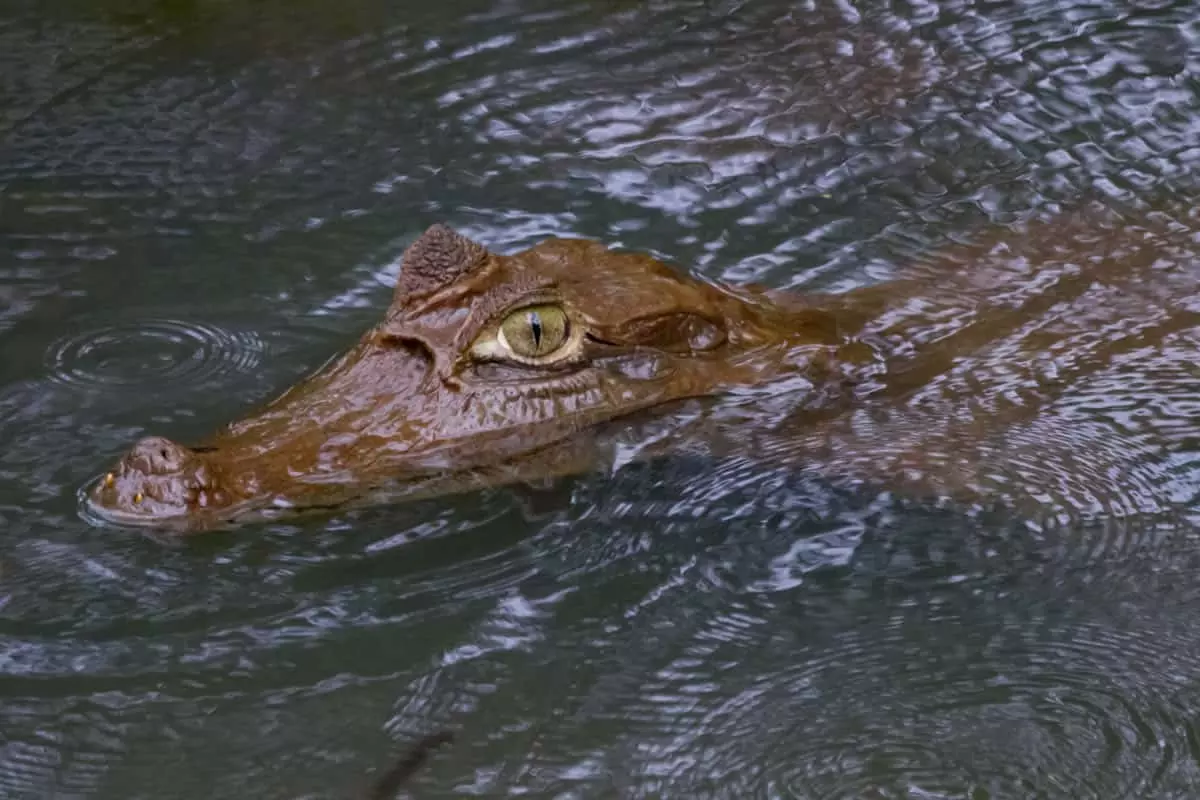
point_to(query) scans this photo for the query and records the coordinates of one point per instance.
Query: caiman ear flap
(436, 259)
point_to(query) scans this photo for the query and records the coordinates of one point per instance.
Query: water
(201, 201)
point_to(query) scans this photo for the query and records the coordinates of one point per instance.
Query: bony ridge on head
(436, 259)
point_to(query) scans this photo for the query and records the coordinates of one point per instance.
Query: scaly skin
(967, 345)
(409, 406)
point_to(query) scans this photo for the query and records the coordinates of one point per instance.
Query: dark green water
(201, 201)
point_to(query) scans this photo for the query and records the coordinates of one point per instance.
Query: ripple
(948, 656)
(165, 353)
(63, 744)
(959, 690)
(232, 633)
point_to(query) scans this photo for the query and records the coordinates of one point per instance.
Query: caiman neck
(826, 350)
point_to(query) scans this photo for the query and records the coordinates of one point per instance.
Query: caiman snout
(157, 478)
(155, 456)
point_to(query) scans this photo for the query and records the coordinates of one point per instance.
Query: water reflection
(698, 627)
(935, 663)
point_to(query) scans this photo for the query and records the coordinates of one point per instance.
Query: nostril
(155, 455)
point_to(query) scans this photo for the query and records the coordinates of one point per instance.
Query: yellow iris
(535, 331)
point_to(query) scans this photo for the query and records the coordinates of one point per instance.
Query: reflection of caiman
(491, 369)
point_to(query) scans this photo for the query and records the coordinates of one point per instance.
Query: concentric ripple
(143, 355)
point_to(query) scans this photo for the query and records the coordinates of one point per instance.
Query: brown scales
(966, 347)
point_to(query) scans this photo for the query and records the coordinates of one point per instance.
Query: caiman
(995, 368)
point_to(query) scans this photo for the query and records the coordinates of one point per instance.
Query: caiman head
(482, 362)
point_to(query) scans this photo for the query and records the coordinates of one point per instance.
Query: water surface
(201, 201)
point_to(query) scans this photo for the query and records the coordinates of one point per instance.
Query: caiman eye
(534, 332)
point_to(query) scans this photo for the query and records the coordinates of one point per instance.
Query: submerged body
(489, 369)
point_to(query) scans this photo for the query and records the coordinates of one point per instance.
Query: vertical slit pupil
(535, 327)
